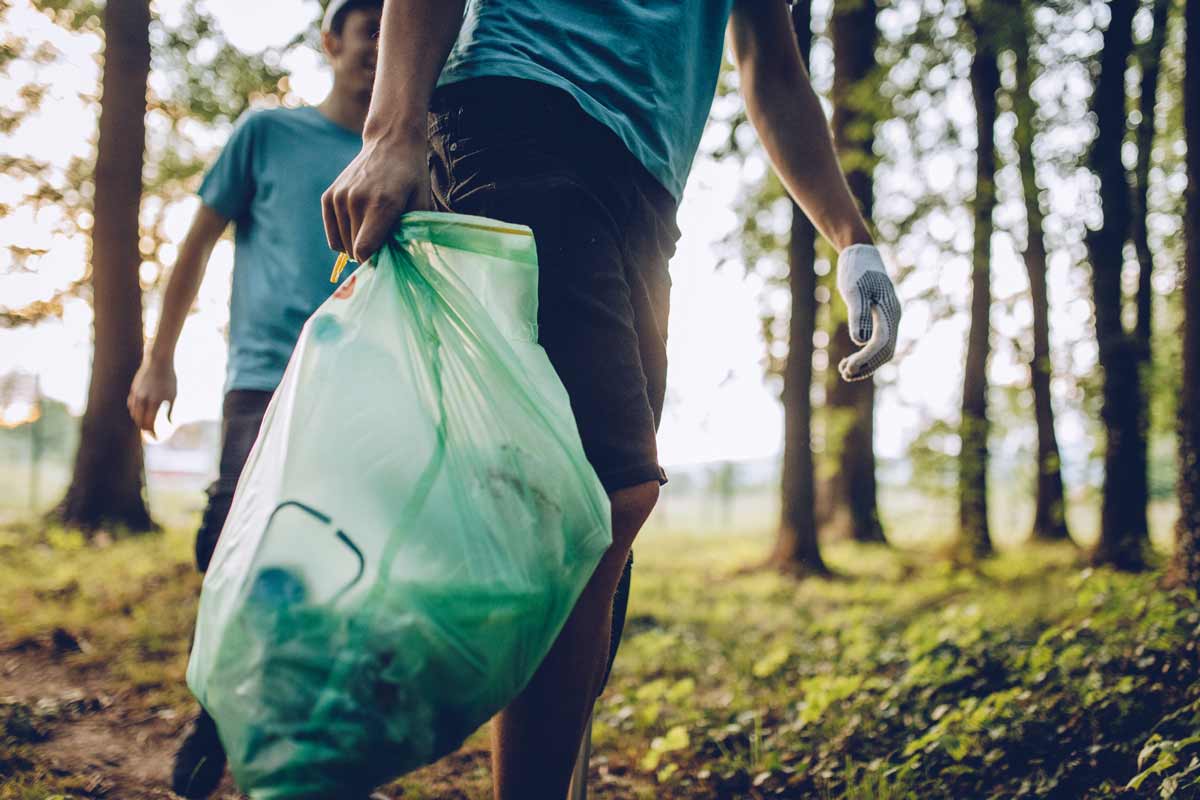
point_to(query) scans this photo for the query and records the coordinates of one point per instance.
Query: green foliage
(56, 430)
(905, 679)
(1027, 679)
(129, 602)
(932, 454)
(198, 80)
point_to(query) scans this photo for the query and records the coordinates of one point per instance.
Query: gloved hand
(873, 311)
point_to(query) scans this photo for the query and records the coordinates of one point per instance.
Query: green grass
(131, 603)
(904, 678)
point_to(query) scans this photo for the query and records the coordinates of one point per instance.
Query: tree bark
(107, 486)
(975, 537)
(853, 491)
(797, 550)
(1049, 520)
(1149, 59)
(1123, 528)
(1186, 567)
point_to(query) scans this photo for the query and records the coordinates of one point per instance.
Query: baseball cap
(332, 10)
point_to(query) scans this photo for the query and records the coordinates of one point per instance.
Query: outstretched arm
(154, 383)
(790, 122)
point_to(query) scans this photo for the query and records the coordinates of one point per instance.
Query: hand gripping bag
(412, 528)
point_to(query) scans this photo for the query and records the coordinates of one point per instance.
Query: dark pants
(241, 417)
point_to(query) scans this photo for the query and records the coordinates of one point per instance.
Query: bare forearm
(792, 126)
(181, 291)
(789, 119)
(184, 282)
(415, 39)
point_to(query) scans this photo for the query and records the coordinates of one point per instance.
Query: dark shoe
(200, 760)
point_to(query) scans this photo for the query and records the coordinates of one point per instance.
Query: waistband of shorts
(553, 110)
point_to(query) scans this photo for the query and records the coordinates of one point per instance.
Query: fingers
(860, 316)
(143, 404)
(877, 352)
(345, 225)
(149, 412)
(380, 219)
(333, 233)
(143, 410)
(873, 311)
(362, 207)
(361, 224)
(375, 227)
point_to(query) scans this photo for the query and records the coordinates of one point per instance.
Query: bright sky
(719, 406)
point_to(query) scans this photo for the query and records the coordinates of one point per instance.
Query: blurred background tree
(898, 82)
(1187, 555)
(1050, 516)
(148, 155)
(797, 549)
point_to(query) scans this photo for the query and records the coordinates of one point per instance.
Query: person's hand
(386, 179)
(873, 311)
(153, 385)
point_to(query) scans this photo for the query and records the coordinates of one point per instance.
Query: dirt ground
(96, 733)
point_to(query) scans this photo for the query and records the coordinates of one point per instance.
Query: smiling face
(352, 48)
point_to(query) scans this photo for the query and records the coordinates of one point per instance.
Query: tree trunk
(796, 547)
(1050, 519)
(107, 486)
(853, 497)
(797, 550)
(1123, 529)
(975, 538)
(1149, 58)
(1187, 532)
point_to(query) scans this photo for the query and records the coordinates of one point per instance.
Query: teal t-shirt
(269, 180)
(645, 68)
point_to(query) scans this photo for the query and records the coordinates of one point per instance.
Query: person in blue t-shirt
(268, 182)
(580, 119)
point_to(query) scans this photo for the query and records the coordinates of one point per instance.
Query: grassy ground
(902, 679)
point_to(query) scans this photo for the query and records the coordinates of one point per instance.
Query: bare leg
(536, 738)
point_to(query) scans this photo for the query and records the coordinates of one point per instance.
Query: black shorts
(524, 152)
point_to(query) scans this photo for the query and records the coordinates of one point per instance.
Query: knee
(630, 509)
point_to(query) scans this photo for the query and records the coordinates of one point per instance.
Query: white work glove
(873, 311)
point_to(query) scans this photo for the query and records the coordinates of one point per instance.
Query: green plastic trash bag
(412, 528)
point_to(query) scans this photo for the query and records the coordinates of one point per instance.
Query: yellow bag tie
(338, 266)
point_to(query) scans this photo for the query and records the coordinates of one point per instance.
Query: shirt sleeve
(228, 185)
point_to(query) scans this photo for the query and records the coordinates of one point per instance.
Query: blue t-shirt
(645, 68)
(269, 180)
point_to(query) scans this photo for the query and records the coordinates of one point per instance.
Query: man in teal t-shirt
(268, 182)
(580, 119)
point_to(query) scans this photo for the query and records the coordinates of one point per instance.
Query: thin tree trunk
(1186, 567)
(975, 537)
(796, 547)
(1123, 528)
(1149, 57)
(797, 550)
(852, 405)
(1050, 519)
(107, 487)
